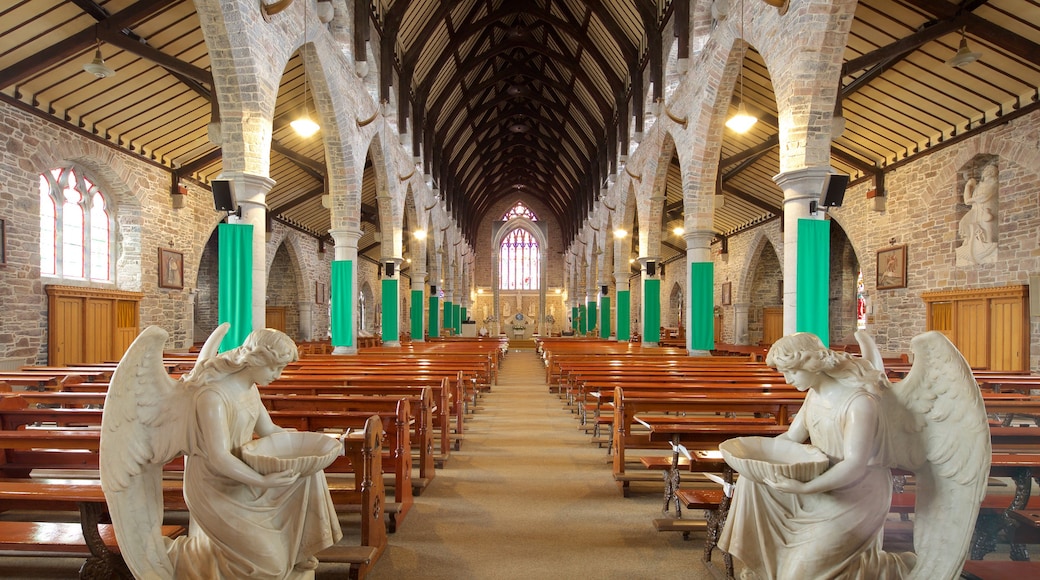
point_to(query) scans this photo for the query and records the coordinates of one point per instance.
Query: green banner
(624, 322)
(604, 317)
(582, 320)
(391, 323)
(464, 314)
(235, 282)
(814, 273)
(652, 320)
(417, 314)
(593, 319)
(449, 316)
(434, 326)
(456, 311)
(574, 318)
(701, 334)
(343, 303)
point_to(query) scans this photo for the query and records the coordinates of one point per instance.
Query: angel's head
(264, 354)
(802, 354)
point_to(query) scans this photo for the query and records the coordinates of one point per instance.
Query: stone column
(700, 293)
(344, 307)
(740, 323)
(251, 195)
(801, 188)
(306, 310)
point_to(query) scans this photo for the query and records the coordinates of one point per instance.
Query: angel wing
(937, 428)
(143, 426)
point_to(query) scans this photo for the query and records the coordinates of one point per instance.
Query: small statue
(243, 524)
(978, 227)
(932, 423)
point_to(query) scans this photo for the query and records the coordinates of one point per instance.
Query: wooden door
(1009, 335)
(276, 317)
(772, 324)
(66, 331)
(972, 331)
(99, 332)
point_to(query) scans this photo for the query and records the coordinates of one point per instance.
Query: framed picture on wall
(319, 293)
(171, 269)
(727, 293)
(3, 242)
(891, 268)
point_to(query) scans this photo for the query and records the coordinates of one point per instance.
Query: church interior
(521, 181)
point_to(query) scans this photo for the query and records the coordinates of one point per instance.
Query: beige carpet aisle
(528, 496)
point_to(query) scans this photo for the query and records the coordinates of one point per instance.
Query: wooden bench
(364, 494)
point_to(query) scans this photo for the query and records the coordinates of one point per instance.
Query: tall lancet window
(75, 227)
(520, 259)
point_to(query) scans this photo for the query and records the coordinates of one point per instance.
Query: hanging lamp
(742, 121)
(303, 125)
(97, 67)
(964, 55)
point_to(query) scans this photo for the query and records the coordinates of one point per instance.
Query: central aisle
(528, 496)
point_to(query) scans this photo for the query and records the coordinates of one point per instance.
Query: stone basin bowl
(762, 458)
(302, 452)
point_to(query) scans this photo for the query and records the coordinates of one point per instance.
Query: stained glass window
(75, 227)
(519, 256)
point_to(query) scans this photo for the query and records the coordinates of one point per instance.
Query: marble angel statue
(932, 423)
(242, 524)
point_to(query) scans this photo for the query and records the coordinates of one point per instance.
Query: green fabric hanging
(652, 299)
(235, 279)
(456, 311)
(814, 259)
(390, 318)
(343, 303)
(449, 315)
(701, 334)
(604, 317)
(417, 314)
(582, 320)
(434, 326)
(624, 321)
(592, 316)
(574, 318)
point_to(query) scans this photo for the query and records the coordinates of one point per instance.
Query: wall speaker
(389, 269)
(223, 199)
(651, 268)
(834, 190)
(433, 290)
(604, 289)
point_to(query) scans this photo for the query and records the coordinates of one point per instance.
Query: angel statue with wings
(242, 524)
(932, 423)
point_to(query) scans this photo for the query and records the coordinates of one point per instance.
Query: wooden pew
(397, 460)
(365, 492)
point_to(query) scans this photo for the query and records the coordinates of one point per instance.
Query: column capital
(805, 183)
(346, 236)
(249, 188)
(697, 239)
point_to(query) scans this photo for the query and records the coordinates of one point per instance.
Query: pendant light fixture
(742, 121)
(964, 55)
(97, 67)
(303, 125)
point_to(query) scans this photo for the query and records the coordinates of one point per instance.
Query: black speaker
(223, 199)
(651, 268)
(433, 290)
(389, 269)
(604, 289)
(834, 190)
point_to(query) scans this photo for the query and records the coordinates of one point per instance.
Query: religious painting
(891, 268)
(319, 293)
(3, 242)
(171, 269)
(727, 293)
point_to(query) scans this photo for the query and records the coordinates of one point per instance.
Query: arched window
(519, 259)
(75, 227)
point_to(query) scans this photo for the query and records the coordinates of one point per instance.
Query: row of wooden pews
(411, 400)
(668, 412)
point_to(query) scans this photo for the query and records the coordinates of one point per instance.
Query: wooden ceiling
(522, 95)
